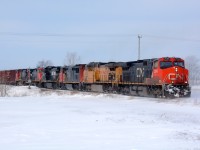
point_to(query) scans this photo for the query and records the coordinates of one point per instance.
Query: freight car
(8, 77)
(158, 77)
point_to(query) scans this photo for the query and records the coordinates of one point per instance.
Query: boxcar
(8, 77)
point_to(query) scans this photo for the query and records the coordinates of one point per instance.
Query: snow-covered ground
(31, 119)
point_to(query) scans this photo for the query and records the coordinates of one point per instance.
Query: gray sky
(97, 30)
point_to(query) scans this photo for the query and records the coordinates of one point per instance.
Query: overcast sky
(97, 30)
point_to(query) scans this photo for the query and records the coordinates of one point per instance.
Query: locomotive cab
(170, 71)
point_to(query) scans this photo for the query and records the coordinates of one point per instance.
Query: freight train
(157, 77)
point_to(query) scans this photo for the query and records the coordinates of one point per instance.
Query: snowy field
(31, 119)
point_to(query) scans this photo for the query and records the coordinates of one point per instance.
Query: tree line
(71, 59)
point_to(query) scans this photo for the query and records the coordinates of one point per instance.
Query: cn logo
(140, 72)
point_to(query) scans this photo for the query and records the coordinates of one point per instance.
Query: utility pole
(139, 37)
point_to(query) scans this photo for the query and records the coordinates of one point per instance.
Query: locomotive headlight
(176, 69)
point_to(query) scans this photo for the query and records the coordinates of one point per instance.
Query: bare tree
(3, 90)
(3, 85)
(44, 63)
(192, 64)
(71, 59)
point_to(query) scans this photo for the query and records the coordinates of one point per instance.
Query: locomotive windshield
(168, 64)
(165, 64)
(180, 64)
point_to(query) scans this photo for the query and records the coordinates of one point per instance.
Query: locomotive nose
(177, 76)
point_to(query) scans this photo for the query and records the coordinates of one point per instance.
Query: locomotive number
(53, 73)
(140, 72)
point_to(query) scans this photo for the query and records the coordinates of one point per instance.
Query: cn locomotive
(158, 77)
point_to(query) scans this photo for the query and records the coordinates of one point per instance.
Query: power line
(171, 38)
(64, 35)
(71, 35)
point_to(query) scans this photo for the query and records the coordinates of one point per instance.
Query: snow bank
(21, 91)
